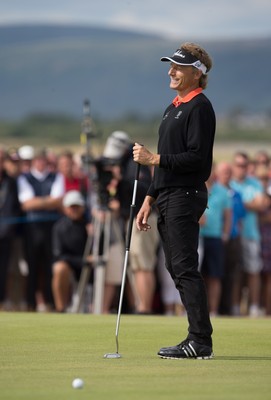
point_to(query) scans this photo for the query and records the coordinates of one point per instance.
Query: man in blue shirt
(254, 200)
(214, 231)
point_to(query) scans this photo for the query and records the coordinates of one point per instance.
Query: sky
(208, 19)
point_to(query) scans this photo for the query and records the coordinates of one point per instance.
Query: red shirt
(75, 184)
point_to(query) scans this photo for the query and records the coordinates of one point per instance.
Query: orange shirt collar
(177, 101)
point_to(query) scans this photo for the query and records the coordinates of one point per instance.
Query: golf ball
(77, 383)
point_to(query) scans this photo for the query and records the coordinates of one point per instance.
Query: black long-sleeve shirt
(185, 145)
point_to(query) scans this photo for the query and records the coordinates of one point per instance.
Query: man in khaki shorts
(143, 248)
(143, 259)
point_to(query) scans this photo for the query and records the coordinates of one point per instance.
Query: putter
(127, 246)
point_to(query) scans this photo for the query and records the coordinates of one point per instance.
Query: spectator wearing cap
(68, 249)
(40, 195)
(12, 162)
(26, 155)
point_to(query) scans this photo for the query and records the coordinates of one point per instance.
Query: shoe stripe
(188, 352)
(193, 350)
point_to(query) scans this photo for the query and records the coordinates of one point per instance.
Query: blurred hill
(52, 69)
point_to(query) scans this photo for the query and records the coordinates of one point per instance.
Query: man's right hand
(143, 214)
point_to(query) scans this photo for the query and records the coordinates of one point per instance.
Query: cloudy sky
(174, 18)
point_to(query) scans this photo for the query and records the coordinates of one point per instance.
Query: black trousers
(179, 212)
(38, 248)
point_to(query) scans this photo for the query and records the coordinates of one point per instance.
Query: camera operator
(107, 228)
(143, 249)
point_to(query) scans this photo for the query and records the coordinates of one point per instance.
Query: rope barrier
(27, 219)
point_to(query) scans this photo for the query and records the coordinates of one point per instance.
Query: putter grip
(132, 210)
(137, 171)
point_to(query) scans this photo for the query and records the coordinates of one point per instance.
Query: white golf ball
(77, 383)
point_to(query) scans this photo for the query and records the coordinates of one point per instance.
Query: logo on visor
(179, 53)
(197, 64)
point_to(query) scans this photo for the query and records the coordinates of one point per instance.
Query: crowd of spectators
(48, 207)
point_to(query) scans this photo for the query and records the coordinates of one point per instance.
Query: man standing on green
(182, 166)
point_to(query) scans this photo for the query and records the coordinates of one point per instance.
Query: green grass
(40, 355)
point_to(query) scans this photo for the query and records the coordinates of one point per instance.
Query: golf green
(41, 354)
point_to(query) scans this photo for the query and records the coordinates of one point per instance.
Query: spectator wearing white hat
(26, 155)
(68, 249)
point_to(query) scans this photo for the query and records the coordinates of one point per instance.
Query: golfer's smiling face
(183, 77)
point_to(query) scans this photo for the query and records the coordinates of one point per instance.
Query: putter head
(112, 355)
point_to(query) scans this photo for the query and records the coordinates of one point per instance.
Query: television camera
(100, 170)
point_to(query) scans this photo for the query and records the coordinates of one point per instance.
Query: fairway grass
(41, 354)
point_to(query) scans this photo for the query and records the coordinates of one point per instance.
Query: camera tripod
(98, 243)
